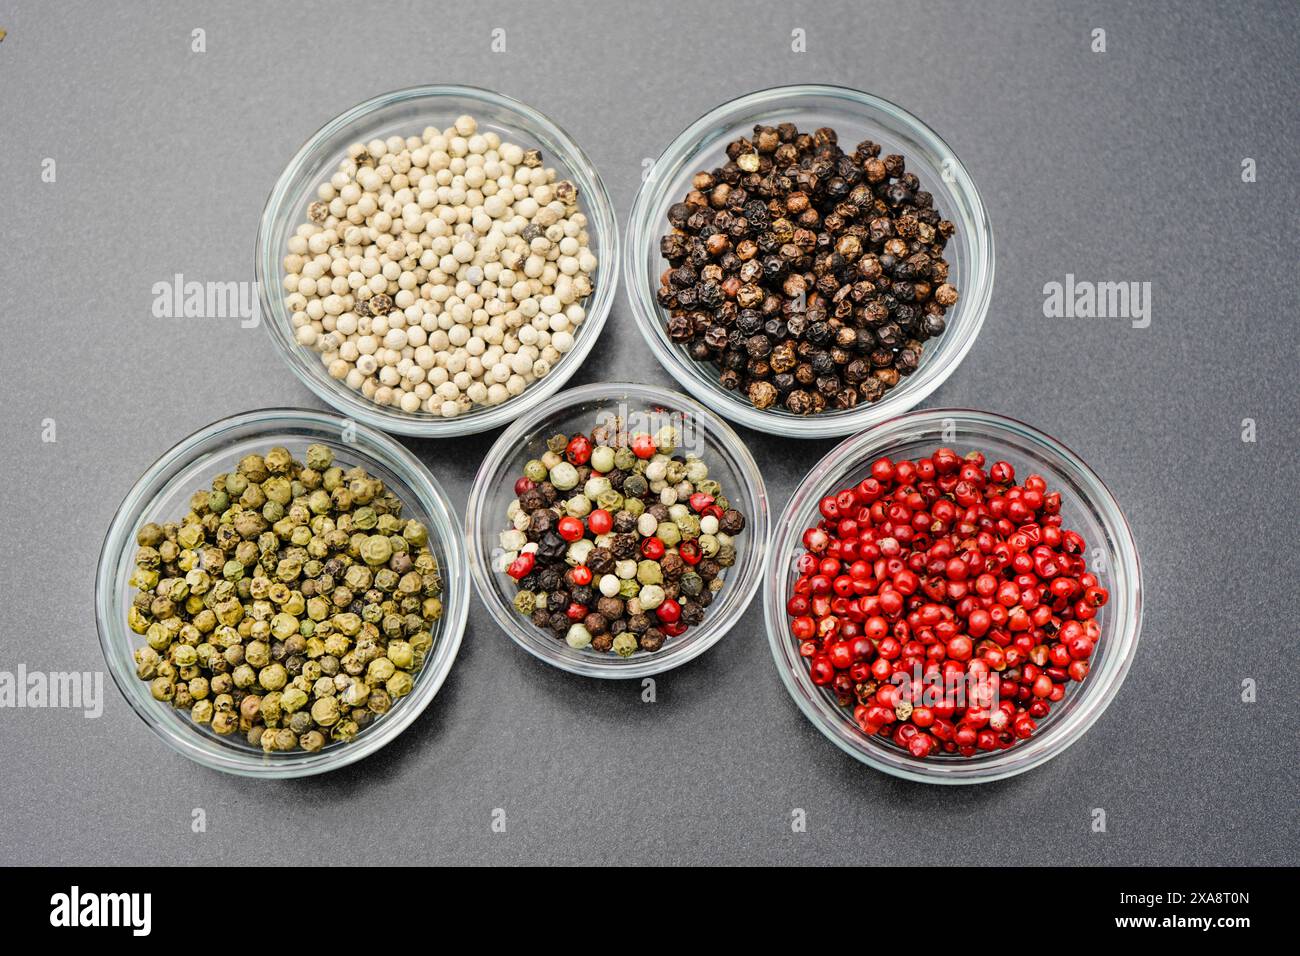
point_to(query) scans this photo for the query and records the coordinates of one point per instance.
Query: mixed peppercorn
(810, 277)
(618, 541)
(292, 603)
(945, 603)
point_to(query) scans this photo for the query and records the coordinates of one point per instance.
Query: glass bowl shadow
(1087, 506)
(406, 113)
(162, 494)
(855, 116)
(645, 408)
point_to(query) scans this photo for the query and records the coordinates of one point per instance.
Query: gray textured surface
(1117, 166)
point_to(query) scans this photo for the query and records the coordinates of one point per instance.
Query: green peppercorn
(149, 535)
(319, 457)
(564, 476)
(325, 711)
(380, 670)
(296, 546)
(146, 662)
(649, 572)
(577, 637)
(400, 653)
(137, 620)
(224, 723)
(376, 549)
(525, 602)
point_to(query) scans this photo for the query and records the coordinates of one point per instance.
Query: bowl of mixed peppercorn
(282, 593)
(618, 530)
(809, 260)
(953, 597)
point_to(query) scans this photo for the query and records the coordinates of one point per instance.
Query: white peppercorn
(440, 272)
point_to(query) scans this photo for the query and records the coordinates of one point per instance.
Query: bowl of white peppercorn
(437, 260)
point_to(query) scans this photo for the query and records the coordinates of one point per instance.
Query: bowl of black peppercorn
(809, 260)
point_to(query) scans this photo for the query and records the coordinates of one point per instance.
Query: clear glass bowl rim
(712, 630)
(602, 219)
(1095, 694)
(371, 444)
(640, 284)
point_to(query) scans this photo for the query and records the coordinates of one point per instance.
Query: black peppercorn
(794, 242)
(731, 522)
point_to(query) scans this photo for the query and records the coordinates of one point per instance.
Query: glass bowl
(1086, 506)
(855, 116)
(406, 113)
(578, 409)
(163, 494)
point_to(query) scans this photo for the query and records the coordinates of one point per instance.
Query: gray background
(1122, 166)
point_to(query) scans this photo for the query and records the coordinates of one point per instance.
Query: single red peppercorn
(521, 566)
(652, 548)
(699, 501)
(581, 575)
(570, 528)
(578, 451)
(821, 670)
(524, 485)
(643, 445)
(690, 552)
(600, 521)
(669, 611)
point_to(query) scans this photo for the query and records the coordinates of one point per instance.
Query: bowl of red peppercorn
(953, 597)
(617, 530)
(809, 260)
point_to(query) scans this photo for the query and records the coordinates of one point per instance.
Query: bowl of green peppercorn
(282, 593)
(617, 530)
(809, 260)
